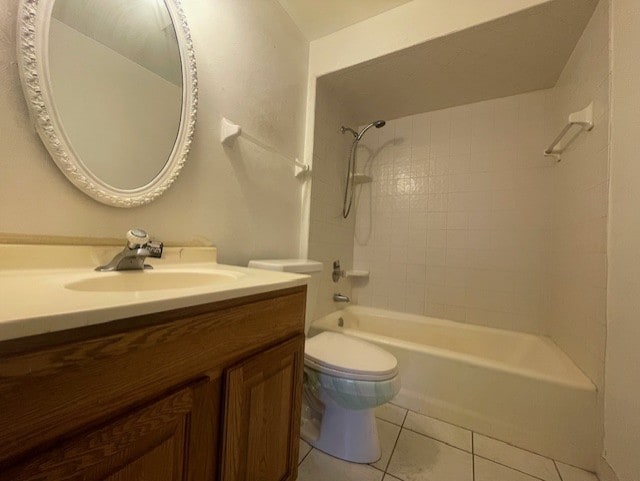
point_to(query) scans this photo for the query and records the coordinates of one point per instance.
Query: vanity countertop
(37, 294)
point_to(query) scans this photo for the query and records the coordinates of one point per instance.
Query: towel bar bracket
(584, 119)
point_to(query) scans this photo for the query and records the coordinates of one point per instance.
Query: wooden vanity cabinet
(204, 393)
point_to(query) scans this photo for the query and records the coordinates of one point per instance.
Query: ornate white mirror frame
(33, 35)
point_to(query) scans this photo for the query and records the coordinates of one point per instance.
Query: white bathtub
(515, 387)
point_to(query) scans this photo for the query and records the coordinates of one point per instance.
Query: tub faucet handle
(337, 272)
(341, 298)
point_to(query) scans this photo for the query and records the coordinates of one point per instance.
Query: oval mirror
(112, 89)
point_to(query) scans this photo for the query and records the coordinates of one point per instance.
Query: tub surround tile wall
(577, 321)
(457, 223)
(331, 236)
(252, 68)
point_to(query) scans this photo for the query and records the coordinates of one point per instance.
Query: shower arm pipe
(344, 129)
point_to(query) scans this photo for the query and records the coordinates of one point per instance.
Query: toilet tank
(298, 266)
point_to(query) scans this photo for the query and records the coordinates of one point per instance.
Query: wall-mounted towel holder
(584, 119)
(230, 131)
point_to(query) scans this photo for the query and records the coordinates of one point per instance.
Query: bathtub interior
(528, 354)
(516, 387)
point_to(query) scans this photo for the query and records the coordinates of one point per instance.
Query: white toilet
(345, 380)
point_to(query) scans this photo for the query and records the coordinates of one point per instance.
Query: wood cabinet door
(171, 439)
(262, 415)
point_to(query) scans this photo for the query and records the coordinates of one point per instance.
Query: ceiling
(319, 18)
(519, 53)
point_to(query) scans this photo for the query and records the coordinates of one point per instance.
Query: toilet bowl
(345, 379)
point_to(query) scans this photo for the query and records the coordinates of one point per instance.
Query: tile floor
(420, 448)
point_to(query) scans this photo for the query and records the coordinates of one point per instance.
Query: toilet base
(347, 434)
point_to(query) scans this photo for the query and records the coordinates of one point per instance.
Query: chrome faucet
(132, 256)
(341, 298)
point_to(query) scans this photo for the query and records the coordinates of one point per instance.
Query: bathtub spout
(340, 298)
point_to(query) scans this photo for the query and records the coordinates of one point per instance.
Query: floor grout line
(473, 460)
(393, 450)
(510, 467)
(306, 455)
(514, 446)
(557, 469)
(440, 440)
(432, 417)
(404, 419)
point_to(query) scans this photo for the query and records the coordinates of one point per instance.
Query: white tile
(319, 466)
(419, 458)
(434, 428)
(571, 473)
(486, 470)
(391, 413)
(388, 434)
(304, 450)
(516, 458)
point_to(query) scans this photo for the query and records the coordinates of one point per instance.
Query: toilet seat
(349, 358)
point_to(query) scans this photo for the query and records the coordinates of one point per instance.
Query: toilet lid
(347, 357)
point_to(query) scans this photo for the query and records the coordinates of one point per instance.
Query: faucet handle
(137, 238)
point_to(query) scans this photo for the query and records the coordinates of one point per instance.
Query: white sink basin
(149, 280)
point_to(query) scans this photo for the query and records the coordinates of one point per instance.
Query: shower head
(377, 124)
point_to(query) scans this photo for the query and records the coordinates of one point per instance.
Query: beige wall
(580, 198)
(331, 236)
(252, 64)
(457, 223)
(622, 395)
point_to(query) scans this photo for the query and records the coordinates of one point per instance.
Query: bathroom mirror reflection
(116, 83)
(114, 96)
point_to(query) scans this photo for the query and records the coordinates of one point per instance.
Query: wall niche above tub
(518, 53)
